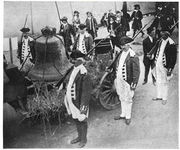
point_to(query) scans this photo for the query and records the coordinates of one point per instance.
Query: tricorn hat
(137, 6)
(82, 26)
(24, 30)
(89, 13)
(124, 40)
(77, 54)
(76, 12)
(64, 19)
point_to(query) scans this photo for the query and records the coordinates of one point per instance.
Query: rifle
(58, 13)
(20, 46)
(32, 19)
(174, 25)
(71, 11)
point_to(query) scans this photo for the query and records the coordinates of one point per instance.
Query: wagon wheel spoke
(108, 96)
(106, 92)
(106, 86)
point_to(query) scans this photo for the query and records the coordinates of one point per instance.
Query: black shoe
(76, 140)
(118, 117)
(81, 144)
(156, 99)
(144, 82)
(128, 121)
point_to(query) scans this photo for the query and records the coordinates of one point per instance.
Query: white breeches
(162, 90)
(126, 108)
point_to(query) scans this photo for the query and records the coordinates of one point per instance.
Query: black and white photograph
(90, 74)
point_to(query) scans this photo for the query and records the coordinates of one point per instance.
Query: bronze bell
(51, 62)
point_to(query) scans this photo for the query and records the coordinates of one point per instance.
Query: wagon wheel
(108, 97)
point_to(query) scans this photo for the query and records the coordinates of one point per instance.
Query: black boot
(83, 141)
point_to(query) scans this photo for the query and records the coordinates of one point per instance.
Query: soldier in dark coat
(68, 33)
(126, 18)
(83, 41)
(137, 17)
(76, 20)
(127, 71)
(164, 56)
(120, 25)
(78, 95)
(91, 24)
(148, 44)
(163, 19)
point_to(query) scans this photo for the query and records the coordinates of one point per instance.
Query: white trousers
(162, 90)
(126, 108)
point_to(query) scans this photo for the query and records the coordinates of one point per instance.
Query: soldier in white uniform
(25, 55)
(164, 55)
(127, 75)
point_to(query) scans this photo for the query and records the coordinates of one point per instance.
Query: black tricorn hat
(82, 26)
(137, 6)
(76, 12)
(89, 13)
(64, 19)
(24, 30)
(77, 54)
(124, 40)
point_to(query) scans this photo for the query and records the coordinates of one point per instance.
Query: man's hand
(169, 72)
(133, 86)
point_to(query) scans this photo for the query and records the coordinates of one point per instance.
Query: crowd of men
(160, 54)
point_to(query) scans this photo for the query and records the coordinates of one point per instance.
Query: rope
(45, 49)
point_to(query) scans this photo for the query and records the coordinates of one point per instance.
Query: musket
(32, 19)
(19, 50)
(58, 13)
(24, 25)
(174, 25)
(71, 11)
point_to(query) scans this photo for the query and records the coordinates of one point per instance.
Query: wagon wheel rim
(108, 96)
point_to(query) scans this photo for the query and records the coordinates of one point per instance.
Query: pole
(58, 13)
(32, 18)
(174, 25)
(115, 6)
(10, 50)
(71, 9)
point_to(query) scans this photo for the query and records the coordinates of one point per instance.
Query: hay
(44, 102)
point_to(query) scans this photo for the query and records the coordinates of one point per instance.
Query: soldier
(148, 44)
(104, 20)
(119, 24)
(25, 50)
(76, 20)
(78, 95)
(68, 33)
(83, 41)
(137, 17)
(126, 18)
(163, 19)
(91, 24)
(127, 75)
(164, 55)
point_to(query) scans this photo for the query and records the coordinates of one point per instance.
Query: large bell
(51, 61)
